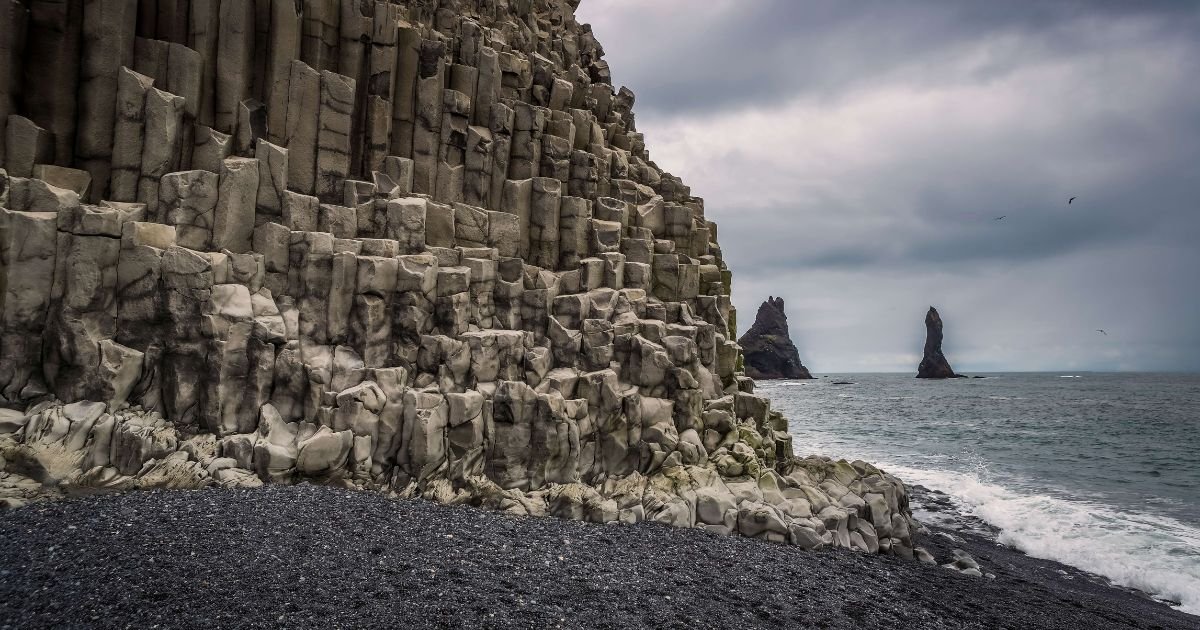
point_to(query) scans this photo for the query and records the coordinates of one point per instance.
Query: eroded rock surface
(767, 346)
(416, 247)
(934, 363)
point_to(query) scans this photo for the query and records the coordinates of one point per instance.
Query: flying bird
(1000, 218)
(1071, 199)
(1101, 331)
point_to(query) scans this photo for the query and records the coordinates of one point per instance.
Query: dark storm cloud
(962, 225)
(856, 155)
(754, 52)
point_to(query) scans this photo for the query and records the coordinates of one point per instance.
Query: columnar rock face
(417, 247)
(768, 348)
(934, 363)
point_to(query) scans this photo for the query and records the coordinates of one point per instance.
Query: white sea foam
(1115, 440)
(1155, 554)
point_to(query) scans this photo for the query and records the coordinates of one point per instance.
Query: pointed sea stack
(934, 363)
(769, 351)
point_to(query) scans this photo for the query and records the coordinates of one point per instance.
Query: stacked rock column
(410, 246)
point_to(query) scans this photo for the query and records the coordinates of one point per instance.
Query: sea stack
(934, 363)
(767, 346)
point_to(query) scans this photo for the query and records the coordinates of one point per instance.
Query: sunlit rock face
(415, 247)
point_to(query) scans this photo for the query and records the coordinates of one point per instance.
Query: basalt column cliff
(417, 247)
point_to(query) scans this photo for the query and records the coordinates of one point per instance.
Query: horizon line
(968, 372)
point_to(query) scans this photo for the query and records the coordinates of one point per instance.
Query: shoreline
(939, 514)
(1006, 451)
(315, 556)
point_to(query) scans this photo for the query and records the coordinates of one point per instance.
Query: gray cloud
(742, 54)
(855, 155)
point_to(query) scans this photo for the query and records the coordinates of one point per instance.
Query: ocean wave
(1152, 553)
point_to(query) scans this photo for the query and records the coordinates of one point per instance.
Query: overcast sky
(855, 156)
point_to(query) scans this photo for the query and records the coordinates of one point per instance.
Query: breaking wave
(1152, 553)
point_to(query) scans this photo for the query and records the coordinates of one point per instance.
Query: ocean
(1100, 471)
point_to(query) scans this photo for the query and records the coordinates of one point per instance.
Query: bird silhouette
(1101, 331)
(999, 218)
(1071, 199)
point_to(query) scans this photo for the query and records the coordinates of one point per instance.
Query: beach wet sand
(320, 557)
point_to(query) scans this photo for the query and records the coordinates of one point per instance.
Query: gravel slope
(313, 557)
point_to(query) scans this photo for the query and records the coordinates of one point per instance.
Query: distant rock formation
(934, 363)
(768, 348)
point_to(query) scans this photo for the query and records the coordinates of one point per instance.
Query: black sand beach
(315, 557)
